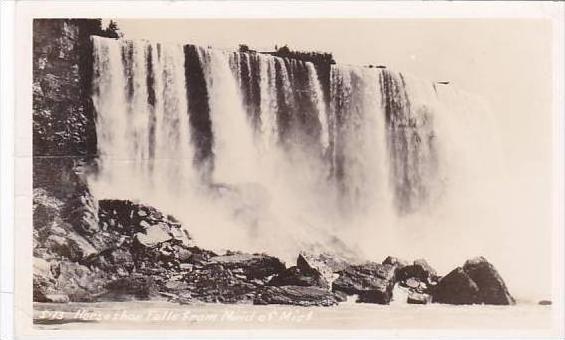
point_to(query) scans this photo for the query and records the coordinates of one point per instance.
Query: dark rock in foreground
(253, 266)
(296, 295)
(477, 282)
(234, 278)
(395, 261)
(371, 282)
(419, 270)
(456, 288)
(138, 287)
(303, 274)
(140, 253)
(492, 289)
(325, 263)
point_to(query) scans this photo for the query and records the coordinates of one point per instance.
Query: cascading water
(257, 153)
(140, 98)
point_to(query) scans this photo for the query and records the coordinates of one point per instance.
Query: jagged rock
(75, 281)
(200, 256)
(296, 295)
(419, 270)
(477, 282)
(214, 283)
(294, 276)
(136, 286)
(182, 253)
(253, 266)
(456, 288)
(232, 278)
(492, 289)
(72, 246)
(372, 282)
(395, 261)
(124, 216)
(325, 263)
(303, 274)
(416, 298)
(153, 235)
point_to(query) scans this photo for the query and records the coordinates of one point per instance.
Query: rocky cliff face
(64, 138)
(64, 129)
(63, 117)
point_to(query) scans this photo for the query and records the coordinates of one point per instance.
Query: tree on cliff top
(315, 57)
(112, 31)
(94, 27)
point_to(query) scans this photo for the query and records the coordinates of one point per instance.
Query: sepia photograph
(289, 173)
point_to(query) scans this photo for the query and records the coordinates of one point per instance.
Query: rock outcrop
(418, 278)
(296, 295)
(456, 288)
(300, 275)
(477, 282)
(492, 289)
(84, 267)
(371, 282)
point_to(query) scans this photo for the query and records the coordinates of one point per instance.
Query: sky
(505, 61)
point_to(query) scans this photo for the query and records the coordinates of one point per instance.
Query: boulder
(294, 276)
(492, 289)
(76, 281)
(140, 287)
(182, 254)
(477, 282)
(303, 274)
(213, 282)
(395, 261)
(253, 266)
(371, 282)
(419, 270)
(153, 235)
(325, 263)
(456, 288)
(230, 278)
(296, 295)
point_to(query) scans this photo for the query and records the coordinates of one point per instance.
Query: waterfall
(140, 98)
(256, 152)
